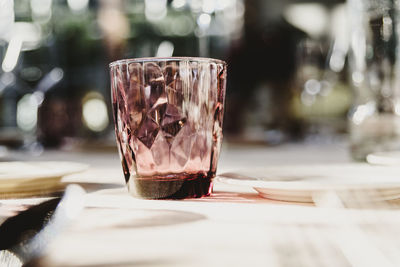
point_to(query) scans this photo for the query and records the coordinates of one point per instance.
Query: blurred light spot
(182, 25)
(178, 4)
(387, 28)
(78, 5)
(240, 9)
(359, 115)
(56, 74)
(326, 88)
(340, 30)
(311, 18)
(204, 20)
(337, 60)
(369, 51)
(165, 49)
(208, 6)
(95, 114)
(360, 49)
(114, 25)
(6, 17)
(41, 8)
(362, 112)
(38, 97)
(29, 33)
(7, 78)
(397, 109)
(357, 77)
(12, 54)
(312, 87)
(155, 10)
(50, 80)
(27, 113)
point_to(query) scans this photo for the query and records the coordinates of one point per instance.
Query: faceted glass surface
(168, 119)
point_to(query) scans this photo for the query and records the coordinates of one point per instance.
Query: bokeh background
(286, 60)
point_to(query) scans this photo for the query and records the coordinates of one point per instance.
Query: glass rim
(164, 59)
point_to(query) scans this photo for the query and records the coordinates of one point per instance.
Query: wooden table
(233, 227)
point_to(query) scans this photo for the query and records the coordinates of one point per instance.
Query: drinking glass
(168, 116)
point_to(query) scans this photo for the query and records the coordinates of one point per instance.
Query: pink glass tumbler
(168, 116)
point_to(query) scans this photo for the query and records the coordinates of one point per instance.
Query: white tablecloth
(233, 227)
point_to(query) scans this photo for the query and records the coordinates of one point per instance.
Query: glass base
(171, 186)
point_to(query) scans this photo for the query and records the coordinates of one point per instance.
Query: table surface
(232, 227)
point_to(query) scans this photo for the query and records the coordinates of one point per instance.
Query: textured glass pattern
(168, 115)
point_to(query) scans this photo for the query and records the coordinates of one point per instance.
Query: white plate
(20, 178)
(299, 183)
(389, 158)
